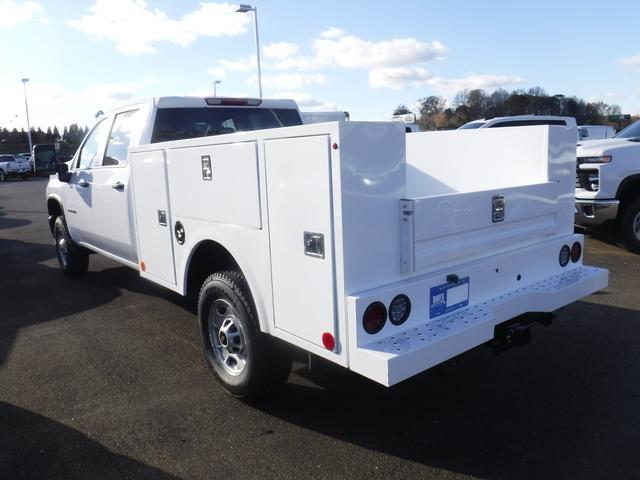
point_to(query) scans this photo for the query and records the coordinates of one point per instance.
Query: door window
(94, 145)
(124, 127)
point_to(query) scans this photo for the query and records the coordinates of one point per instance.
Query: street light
(244, 8)
(26, 107)
(217, 82)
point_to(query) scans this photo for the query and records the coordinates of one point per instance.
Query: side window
(93, 145)
(124, 127)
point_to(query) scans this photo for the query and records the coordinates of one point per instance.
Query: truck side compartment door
(298, 172)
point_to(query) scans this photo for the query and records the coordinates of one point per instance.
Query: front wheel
(3, 176)
(242, 358)
(630, 226)
(73, 260)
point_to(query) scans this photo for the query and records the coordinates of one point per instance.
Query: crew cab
(608, 185)
(382, 252)
(14, 166)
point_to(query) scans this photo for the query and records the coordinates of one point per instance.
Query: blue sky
(363, 57)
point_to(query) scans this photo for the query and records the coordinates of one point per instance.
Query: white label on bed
(457, 295)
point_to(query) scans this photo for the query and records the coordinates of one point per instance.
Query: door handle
(83, 183)
(118, 186)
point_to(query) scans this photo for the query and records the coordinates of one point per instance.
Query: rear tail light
(374, 317)
(565, 254)
(399, 309)
(576, 252)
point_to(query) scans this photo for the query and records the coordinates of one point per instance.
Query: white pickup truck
(383, 252)
(14, 166)
(608, 184)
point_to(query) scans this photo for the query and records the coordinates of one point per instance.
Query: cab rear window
(182, 123)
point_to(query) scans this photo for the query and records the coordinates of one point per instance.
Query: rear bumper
(595, 212)
(401, 352)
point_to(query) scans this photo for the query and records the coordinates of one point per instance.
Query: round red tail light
(374, 317)
(576, 252)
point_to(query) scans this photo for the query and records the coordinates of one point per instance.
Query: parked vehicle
(321, 117)
(608, 184)
(383, 252)
(409, 121)
(520, 121)
(44, 158)
(13, 166)
(595, 132)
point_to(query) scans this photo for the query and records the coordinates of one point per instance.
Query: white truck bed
(394, 213)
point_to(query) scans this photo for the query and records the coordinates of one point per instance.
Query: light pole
(244, 8)
(26, 107)
(217, 82)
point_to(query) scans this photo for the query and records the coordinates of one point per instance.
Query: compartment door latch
(497, 208)
(314, 244)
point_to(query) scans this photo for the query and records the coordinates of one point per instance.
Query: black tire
(73, 260)
(3, 176)
(25, 177)
(630, 226)
(245, 362)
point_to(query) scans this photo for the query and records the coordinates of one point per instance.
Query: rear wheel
(630, 226)
(25, 176)
(244, 361)
(73, 260)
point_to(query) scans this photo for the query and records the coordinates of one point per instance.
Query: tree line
(73, 135)
(434, 112)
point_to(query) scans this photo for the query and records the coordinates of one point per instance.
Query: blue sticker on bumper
(448, 297)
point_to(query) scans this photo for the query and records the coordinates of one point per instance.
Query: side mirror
(63, 172)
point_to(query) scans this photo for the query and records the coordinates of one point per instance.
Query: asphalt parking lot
(103, 377)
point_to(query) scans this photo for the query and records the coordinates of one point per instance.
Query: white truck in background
(595, 132)
(383, 252)
(322, 117)
(608, 185)
(14, 166)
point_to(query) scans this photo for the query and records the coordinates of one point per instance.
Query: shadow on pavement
(32, 292)
(6, 223)
(33, 446)
(529, 413)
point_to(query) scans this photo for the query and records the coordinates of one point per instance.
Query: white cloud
(398, 77)
(243, 64)
(280, 50)
(13, 13)
(134, 27)
(307, 102)
(290, 81)
(349, 51)
(55, 105)
(631, 63)
(449, 86)
(332, 32)
(216, 72)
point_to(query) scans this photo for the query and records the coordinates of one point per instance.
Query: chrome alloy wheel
(226, 337)
(61, 249)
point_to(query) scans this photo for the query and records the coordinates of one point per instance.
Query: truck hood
(601, 147)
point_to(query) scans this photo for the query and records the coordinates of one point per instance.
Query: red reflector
(233, 102)
(576, 252)
(374, 317)
(328, 341)
(335, 146)
(143, 267)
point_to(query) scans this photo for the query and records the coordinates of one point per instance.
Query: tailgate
(443, 229)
